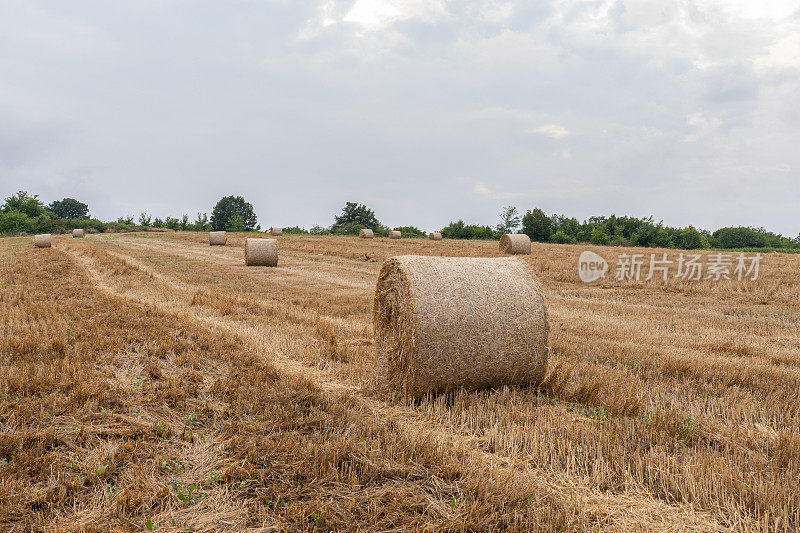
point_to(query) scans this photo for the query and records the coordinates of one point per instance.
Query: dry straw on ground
(261, 252)
(43, 240)
(435, 236)
(515, 243)
(275, 232)
(395, 235)
(366, 233)
(446, 322)
(217, 238)
(78, 233)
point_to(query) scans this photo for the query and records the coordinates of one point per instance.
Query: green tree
(355, 214)
(689, 239)
(28, 205)
(537, 225)
(236, 223)
(145, 219)
(69, 208)
(227, 208)
(509, 220)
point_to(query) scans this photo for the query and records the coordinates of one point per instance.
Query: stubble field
(152, 381)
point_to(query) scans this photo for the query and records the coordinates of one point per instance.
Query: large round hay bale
(447, 322)
(78, 233)
(276, 232)
(435, 236)
(515, 243)
(43, 240)
(261, 252)
(217, 238)
(395, 235)
(366, 233)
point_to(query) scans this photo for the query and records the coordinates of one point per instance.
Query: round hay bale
(515, 243)
(435, 236)
(43, 240)
(395, 235)
(78, 233)
(276, 232)
(366, 233)
(261, 252)
(217, 238)
(447, 322)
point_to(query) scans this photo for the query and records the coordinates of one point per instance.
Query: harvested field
(152, 379)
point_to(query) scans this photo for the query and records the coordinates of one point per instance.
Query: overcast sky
(425, 110)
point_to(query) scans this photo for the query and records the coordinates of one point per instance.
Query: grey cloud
(165, 107)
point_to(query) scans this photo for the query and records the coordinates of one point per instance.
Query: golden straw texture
(261, 252)
(435, 236)
(447, 322)
(217, 238)
(515, 243)
(43, 240)
(366, 234)
(275, 232)
(78, 233)
(395, 235)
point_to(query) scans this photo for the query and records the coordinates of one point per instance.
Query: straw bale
(515, 243)
(435, 236)
(395, 235)
(43, 240)
(217, 238)
(78, 233)
(261, 252)
(366, 233)
(275, 232)
(447, 322)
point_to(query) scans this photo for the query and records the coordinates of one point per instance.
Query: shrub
(409, 231)
(562, 238)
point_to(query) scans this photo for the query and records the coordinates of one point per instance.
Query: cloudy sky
(426, 110)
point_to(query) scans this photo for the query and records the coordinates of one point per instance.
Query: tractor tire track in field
(626, 508)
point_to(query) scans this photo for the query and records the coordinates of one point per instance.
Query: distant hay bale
(366, 233)
(217, 238)
(261, 252)
(515, 243)
(43, 240)
(276, 232)
(395, 235)
(78, 233)
(435, 236)
(447, 322)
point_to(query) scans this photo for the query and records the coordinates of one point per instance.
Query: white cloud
(554, 131)
(374, 15)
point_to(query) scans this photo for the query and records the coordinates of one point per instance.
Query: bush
(689, 239)
(295, 230)
(740, 237)
(350, 228)
(411, 231)
(459, 230)
(598, 237)
(561, 238)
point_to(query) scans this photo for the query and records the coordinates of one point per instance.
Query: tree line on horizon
(24, 213)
